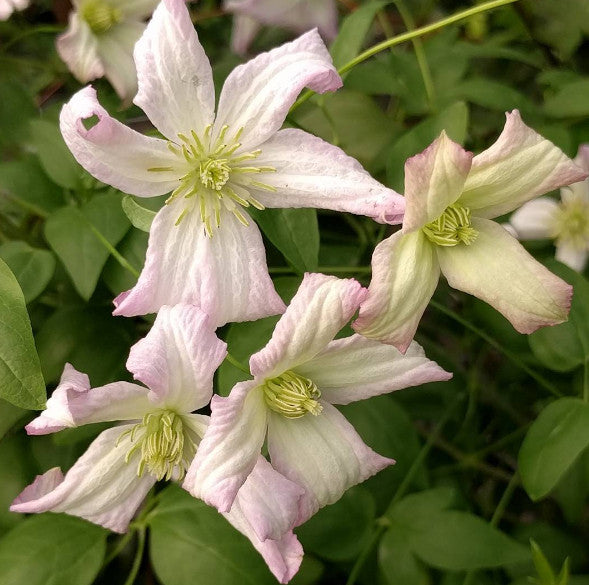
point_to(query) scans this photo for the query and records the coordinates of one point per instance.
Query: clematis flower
(7, 7)
(203, 248)
(100, 38)
(298, 378)
(567, 222)
(451, 199)
(295, 15)
(158, 440)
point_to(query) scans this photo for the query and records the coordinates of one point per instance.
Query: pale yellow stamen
(292, 395)
(100, 16)
(452, 227)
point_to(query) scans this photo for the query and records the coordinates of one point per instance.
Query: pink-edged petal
(405, 273)
(497, 269)
(225, 275)
(520, 166)
(323, 454)
(101, 487)
(78, 47)
(175, 79)
(571, 255)
(230, 448)
(536, 219)
(113, 153)
(257, 95)
(244, 32)
(178, 357)
(582, 158)
(434, 179)
(356, 368)
(313, 173)
(320, 308)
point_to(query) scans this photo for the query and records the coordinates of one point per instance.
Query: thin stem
(500, 443)
(586, 381)
(494, 343)
(138, 556)
(38, 30)
(118, 549)
(237, 364)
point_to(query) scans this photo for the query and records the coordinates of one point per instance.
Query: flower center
(100, 15)
(452, 227)
(572, 223)
(166, 449)
(292, 395)
(215, 176)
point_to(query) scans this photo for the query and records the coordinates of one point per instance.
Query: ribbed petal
(497, 269)
(313, 173)
(101, 487)
(257, 95)
(323, 454)
(356, 368)
(320, 308)
(175, 79)
(113, 153)
(520, 166)
(405, 274)
(225, 275)
(536, 219)
(434, 179)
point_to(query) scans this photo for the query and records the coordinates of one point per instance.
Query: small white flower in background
(7, 7)
(100, 38)
(566, 222)
(297, 16)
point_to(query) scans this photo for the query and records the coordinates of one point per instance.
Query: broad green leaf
(570, 101)
(21, 381)
(72, 233)
(16, 107)
(555, 440)
(422, 505)
(491, 94)
(192, 543)
(32, 267)
(543, 568)
(397, 562)
(52, 550)
(294, 232)
(139, 216)
(309, 573)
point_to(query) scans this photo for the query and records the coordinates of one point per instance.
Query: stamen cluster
(292, 395)
(452, 227)
(101, 16)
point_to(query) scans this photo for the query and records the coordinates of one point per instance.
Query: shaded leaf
(139, 216)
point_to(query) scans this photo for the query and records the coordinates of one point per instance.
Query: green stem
(118, 549)
(138, 556)
(492, 342)
(38, 30)
(237, 364)
(418, 32)
(499, 444)
(586, 381)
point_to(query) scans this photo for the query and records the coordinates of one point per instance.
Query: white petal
(536, 219)
(405, 274)
(244, 31)
(497, 269)
(571, 255)
(225, 275)
(323, 454)
(356, 368)
(139, 9)
(175, 79)
(320, 308)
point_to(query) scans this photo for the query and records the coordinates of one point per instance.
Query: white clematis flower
(176, 362)
(7, 7)
(298, 378)
(567, 222)
(295, 15)
(204, 249)
(451, 199)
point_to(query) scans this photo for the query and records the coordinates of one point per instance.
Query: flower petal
(114, 153)
(244, 31)
(225, 275)
(178, 357)
(520, 166)
(230, 448)
(405, 274)
(497, 269)
(536, 219)
(320, 308)
(257, 95)
(571, 255)
(434, 179)
(323, 454)
(101, 487)
(356, 368)
(175, 79)
(140, 9)
(313, 173)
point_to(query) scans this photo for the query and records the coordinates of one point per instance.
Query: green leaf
(397, 562)
(9, 415)
(16, 107)
(32, 267)
(491, 94)
(71, 232)
(21, 381)
(133, 248)
(422, 505)
(570, 101)
(52, 550)
(192, 543)
(543, 568)
(555, 440)
(294, 232)
(139, 216)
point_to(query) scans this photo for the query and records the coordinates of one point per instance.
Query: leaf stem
(138, 556)
(236, 363)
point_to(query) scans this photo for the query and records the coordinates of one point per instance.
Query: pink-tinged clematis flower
(451, 199)
(567, 222)
(298, 377)
(297, 16)
(7, 7)
(204, 249)
(100, 38)
(176, 362)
